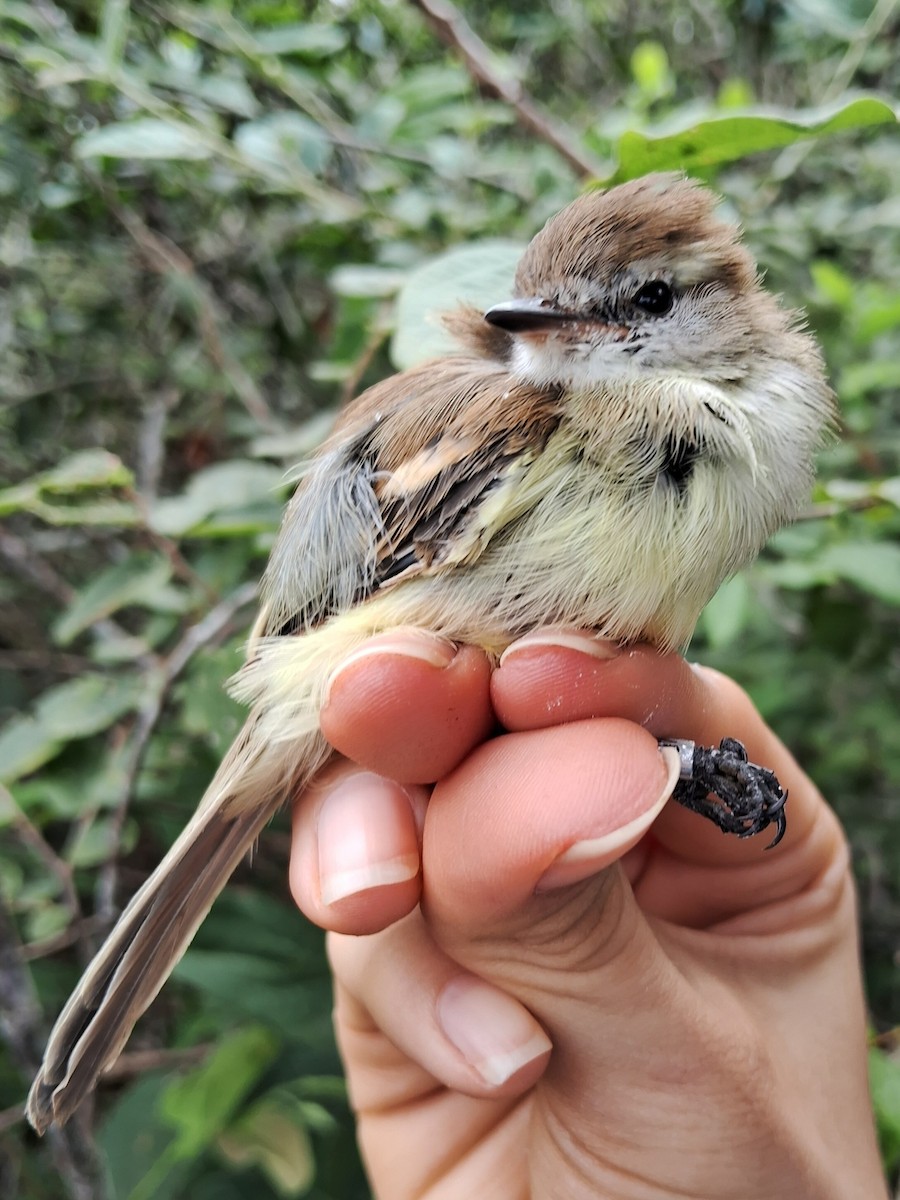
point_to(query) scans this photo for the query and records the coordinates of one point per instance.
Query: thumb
(528, 850)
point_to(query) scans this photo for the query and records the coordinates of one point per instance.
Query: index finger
(693, 873)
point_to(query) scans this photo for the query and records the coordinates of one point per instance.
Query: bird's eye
(654, 297)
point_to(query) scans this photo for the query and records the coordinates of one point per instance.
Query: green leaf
(650, 68)
(137, 580)
(727, 139)
(114, 31)
(315, 41)
(884, 1080)
(202, 1103)
(224, 488)
(136, 1144)
(481, 274)
(873, 567)
(281, 139)
(87, 705)
(144, 137)
(725, 616)
(25, 745)
(76, 709)
(272, 1135)
(99, 840)
(85, 471)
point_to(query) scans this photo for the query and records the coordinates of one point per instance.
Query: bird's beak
(524, 316)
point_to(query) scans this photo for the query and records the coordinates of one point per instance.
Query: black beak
(521, 316)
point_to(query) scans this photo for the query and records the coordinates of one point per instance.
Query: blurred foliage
(207, 210)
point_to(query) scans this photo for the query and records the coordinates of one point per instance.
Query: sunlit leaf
(272, 1136)
(480, 274)
(144, 137)
(727, 139)
(136, 580)
(200, 1104)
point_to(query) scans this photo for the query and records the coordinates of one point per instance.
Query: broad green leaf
(480, 274)
(137, 580)
(202, 1103)
(273, 1136)
(87, 705)
(76, 709)
(144, 137)
(136, 1144)
(25, 745)
(727, 139)
(223, 488)
(85, 471)
(725, 616)
(873, 567)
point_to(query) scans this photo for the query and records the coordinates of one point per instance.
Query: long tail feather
(157, 926)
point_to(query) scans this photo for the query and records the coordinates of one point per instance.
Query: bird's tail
(162, 918)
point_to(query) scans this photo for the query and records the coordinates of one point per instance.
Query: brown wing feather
(397, 488)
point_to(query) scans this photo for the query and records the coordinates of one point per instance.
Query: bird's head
(641, 279)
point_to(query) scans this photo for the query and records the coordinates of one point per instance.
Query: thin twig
(81, 930)
(165, 257)
(31, 837)
(22, 559)
(824, 512)
(72, 1148)
(233, 37)
(454, 31)
(790, 157)
(214, 625)
(138, 1062)
(377, 339)
(180, 565)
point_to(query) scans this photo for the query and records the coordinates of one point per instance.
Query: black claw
(748, 798)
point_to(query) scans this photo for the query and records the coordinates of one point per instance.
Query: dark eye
(654, 297)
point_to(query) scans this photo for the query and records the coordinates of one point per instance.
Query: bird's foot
(737, 795)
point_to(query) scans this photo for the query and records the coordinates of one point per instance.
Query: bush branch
(454, 31)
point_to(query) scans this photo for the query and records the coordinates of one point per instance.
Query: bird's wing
(419, 475)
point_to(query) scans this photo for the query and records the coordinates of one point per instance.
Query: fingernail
(492, 1032)
(561, 638)
(366, 837)
(586, 858)
(407, 643)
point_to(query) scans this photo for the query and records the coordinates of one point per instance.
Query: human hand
(562, 994)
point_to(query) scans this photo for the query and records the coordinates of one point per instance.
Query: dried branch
(138, 1062)
(72, 1148)
(164, 257)
(214, 625)
(169, 548)
(454, 31)
(351, 384)
(22, 559)
(81, 930)
(31, 837)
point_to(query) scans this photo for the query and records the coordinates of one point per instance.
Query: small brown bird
(608, 447)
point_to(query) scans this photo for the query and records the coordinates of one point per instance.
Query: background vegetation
(207, 211)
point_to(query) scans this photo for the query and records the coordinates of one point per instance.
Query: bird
(601, 451)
